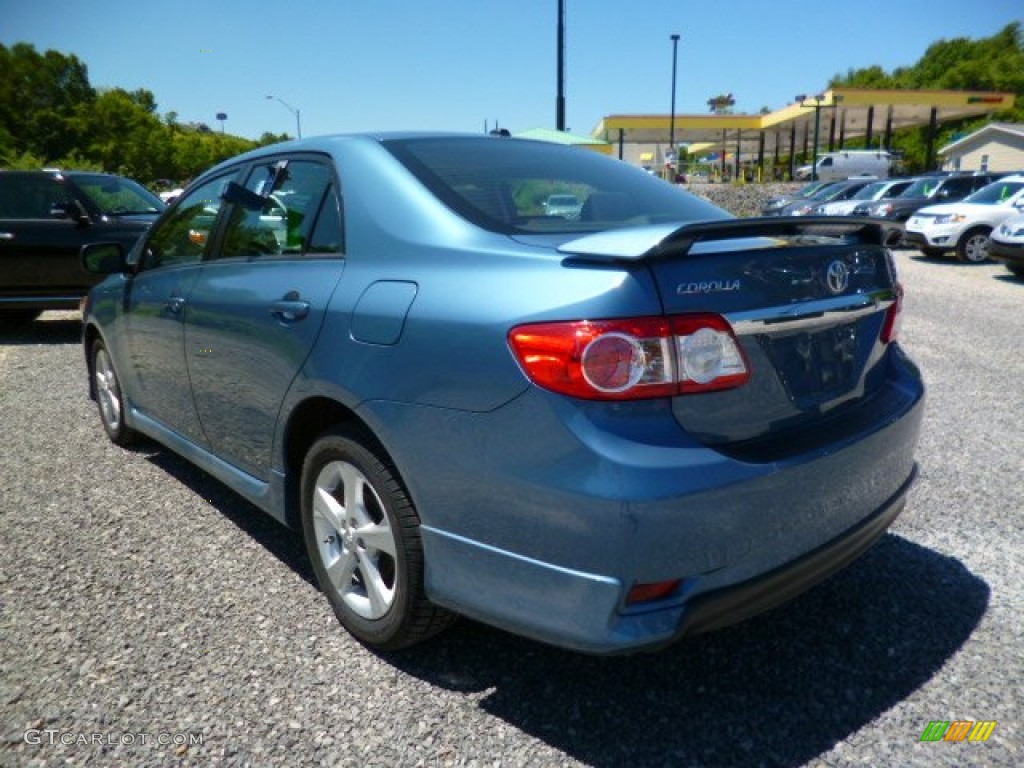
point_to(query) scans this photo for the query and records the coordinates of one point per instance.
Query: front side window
(278, 217)
(508, 185)
(921, 188)
(871, 191)
(182, 236)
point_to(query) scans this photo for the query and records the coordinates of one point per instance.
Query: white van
(849, 162)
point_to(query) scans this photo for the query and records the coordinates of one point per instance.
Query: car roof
(56, 172)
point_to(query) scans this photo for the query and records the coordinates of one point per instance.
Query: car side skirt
(268, 496)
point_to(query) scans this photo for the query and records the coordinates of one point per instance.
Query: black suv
(926, 190)
(45, 219)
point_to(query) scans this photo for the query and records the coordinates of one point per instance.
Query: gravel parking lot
(151, 617)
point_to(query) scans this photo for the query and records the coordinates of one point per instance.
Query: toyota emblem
(837, 276)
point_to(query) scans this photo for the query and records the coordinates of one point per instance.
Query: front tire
(972, 247)
(107, 388)
(362, 534)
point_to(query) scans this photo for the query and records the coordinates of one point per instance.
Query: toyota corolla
(604, 432)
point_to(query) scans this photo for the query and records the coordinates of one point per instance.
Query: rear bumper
(1006, 253)
(733, 604)
(541, 522)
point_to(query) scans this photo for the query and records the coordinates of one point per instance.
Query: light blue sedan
(603, 432)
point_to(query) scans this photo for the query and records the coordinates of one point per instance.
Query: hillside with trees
(50, 115)
(990, 64)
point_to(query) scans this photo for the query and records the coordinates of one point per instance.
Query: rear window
(517, 186)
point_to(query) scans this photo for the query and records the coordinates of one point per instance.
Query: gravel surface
(144, 605)
(743, 199)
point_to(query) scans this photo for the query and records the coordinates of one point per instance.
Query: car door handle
(288, 311)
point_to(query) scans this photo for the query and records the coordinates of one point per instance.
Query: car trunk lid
(808, 301)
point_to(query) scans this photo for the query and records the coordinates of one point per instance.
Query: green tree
(38, 94)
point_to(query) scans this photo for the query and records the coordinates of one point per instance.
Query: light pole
(672, 113)
(802, 99)
(286, 105)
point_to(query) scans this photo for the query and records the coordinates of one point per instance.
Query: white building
(997, 147)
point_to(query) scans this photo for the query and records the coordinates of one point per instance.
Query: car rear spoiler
(653, 243)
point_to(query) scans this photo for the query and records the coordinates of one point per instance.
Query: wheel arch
(90, 335)
(961, 243)
(308, 421)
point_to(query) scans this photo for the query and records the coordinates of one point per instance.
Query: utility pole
(560, 102)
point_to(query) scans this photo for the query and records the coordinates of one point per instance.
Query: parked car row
(925, 190)
(942, 213)
(811, 199)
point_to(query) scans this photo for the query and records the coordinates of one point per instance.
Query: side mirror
(103, 258)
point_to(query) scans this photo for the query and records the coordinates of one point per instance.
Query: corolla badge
(708, 286)
(837, 276)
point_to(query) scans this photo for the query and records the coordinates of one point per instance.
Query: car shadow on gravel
(42, 331)
(780, 689)
(948, 261)
(283, 543)
(1008, 278)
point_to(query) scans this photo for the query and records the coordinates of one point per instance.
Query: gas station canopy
(842, 114)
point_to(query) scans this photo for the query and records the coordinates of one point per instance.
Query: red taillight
(893, 318)
(632, 358)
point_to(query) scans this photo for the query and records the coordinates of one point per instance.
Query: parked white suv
(965, 226)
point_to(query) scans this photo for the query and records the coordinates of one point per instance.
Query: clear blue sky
(352, 65)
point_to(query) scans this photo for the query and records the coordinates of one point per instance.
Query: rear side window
(507, 185)
(328, 232)
(958, 187)
(30, 197)
(278, 218)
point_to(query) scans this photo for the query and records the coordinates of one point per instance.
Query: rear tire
(972, 247)
(362, 535)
